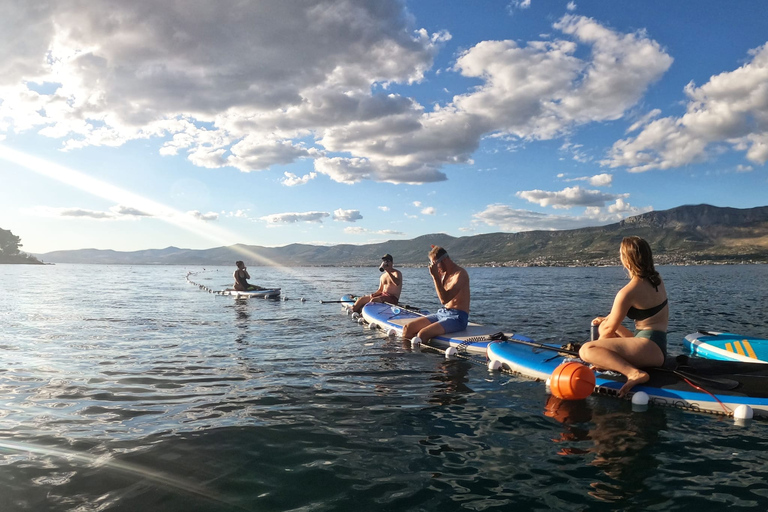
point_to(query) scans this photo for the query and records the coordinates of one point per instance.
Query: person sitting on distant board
(390, 286)
(644, 300)
(452, 286)
(241, 276)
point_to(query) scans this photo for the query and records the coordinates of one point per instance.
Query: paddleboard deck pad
(725, 346)
(267, 293)
(723, 385)
(472, 340)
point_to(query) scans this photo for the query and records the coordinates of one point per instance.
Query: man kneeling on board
(452, 285)
(241, 276)
(390, 286)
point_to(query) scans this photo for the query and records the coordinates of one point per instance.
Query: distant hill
(686, 234)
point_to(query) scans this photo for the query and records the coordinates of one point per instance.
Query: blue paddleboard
(686, 382)
(725, 346)
(474, 339)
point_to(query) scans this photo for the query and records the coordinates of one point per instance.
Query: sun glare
(77, 179)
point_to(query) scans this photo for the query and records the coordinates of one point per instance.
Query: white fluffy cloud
(730, 109)
(515, 220)
(569, 197)
(203, 216)
(346, 215)
(116, 212)
(294, 217)
(598, 180)
(291, 180)
(262, 83)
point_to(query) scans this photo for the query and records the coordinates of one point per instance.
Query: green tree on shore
(9, 249)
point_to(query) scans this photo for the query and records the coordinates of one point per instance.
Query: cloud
(429, 210)
(203, 216)
(116, 212)
(291, 180)
(515, 220)
(294, 217)
(569, 197)
(417, 204)
(729, 110)
(384, 208)
(537, 91)
(355, 230)
(266, 83)
(347, 215)
(598, 180)
(121, 210)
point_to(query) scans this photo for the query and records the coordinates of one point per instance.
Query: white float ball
(450, 352)
(355, 315)
(640, 398)
(415, 342)
(494, 365)
(373, 326)
(360, 320)
(391, 333)
(743, 412)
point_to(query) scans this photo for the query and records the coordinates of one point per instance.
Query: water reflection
(242, 320)
(452, 377)
(623, 445)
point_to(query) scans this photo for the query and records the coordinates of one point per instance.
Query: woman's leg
(624, 355)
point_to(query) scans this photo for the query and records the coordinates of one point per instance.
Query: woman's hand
(598, 320)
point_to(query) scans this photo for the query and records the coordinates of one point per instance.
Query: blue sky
(137, 125)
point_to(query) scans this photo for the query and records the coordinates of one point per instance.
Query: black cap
(387, 257)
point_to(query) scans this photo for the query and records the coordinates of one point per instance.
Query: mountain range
(684, 235)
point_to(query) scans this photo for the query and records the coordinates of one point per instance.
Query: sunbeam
(158, 478)
(77, 179)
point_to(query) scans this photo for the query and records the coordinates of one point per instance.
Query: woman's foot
(636, 377)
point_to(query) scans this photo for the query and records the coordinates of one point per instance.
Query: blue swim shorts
(452, 320)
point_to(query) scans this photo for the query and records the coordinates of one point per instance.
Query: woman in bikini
(643, 300)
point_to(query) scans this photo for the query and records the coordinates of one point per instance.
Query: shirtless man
(452, 286)
(390, 286)
(241, 276)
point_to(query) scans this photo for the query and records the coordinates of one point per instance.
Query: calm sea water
(150, 394)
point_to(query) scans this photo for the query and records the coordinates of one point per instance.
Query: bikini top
(642, 314)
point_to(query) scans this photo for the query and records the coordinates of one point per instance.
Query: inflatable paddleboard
(703, 385)
(725, 346)
(472, 340)
(269, 293)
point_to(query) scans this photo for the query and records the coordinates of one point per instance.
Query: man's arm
(396, 276)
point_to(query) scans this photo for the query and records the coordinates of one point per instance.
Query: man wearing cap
(452, 286)
(390, 286)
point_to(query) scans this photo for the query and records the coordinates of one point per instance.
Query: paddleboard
(724, 385)
(472, 340)
(261, 294)
(725, 346)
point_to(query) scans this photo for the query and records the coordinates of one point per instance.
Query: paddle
(719, 383)
(334, 301)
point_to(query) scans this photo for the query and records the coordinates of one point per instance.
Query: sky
(197, 124)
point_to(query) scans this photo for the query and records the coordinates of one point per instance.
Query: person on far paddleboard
(390, 286)
(452, 286)
(241, 276)
(643, 300)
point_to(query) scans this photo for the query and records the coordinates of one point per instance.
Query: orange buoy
(572, 381)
